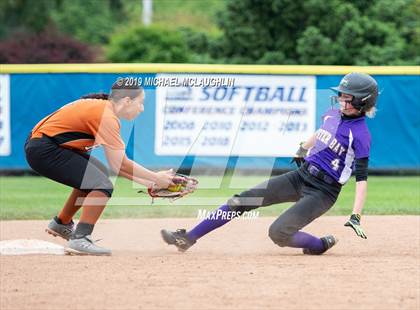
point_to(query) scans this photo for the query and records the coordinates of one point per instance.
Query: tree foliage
(337, 32)
(378, 32)
(88, 21)
(24, 15)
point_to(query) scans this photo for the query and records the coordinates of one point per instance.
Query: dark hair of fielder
(117, 92)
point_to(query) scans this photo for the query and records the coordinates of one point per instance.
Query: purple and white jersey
(338, 143)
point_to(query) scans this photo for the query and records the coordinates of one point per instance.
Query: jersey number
(335, 164)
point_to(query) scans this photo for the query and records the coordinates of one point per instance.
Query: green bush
(147, 44)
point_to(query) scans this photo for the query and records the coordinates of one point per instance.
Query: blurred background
(311, 32)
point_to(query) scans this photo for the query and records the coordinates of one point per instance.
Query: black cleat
(328, 241)
(178, 238)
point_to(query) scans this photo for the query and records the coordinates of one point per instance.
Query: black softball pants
(77, 170)
(313, 198)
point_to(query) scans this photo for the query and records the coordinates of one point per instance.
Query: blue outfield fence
(261, 117)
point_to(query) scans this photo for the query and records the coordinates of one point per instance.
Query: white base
(29, 246)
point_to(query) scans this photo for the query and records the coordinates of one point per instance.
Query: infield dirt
(235, 267)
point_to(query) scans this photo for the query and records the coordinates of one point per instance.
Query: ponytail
(101, 96)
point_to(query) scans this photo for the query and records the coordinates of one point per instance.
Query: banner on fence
(239, 115)
(5, 148)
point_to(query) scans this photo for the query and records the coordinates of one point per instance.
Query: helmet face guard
(362, 87)
(335, 99)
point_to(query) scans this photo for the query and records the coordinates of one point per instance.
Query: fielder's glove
(184, 185)
(354, 222)
(300, 154)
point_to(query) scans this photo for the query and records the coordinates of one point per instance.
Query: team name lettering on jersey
(339, 142)
(337, 147)
(323, 135)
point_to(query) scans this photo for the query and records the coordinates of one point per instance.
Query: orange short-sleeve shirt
(82, 125)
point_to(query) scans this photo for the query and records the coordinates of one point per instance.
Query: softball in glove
(183, 185)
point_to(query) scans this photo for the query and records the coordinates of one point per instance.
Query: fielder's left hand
(354, 222)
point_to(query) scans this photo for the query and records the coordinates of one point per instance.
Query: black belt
(319, 174)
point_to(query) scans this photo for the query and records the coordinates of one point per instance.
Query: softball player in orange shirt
(58, 147)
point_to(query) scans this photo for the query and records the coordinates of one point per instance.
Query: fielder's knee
(278, 236)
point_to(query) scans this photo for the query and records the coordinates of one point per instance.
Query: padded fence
(207, 115)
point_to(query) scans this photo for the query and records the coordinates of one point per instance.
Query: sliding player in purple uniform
(326, 162)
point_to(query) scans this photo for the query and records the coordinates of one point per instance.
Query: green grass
(40, 198)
